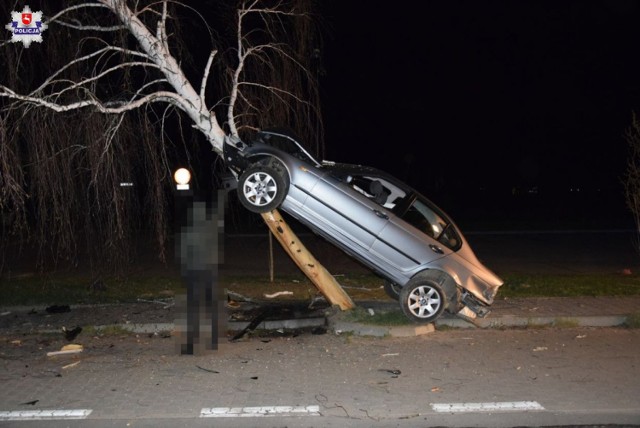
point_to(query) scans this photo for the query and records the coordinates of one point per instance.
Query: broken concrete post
(320, 277)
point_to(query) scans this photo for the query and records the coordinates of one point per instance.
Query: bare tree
(631, 179)
(164, 80)
(126, 61)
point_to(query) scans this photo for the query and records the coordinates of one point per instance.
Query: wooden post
(271, 256)
(320, 277)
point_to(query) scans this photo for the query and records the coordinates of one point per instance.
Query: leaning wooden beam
(317, 273)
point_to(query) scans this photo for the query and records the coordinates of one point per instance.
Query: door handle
(381, 214)
(436, 249)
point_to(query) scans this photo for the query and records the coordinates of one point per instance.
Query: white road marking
(255, 412)
(508, 406)
(44, 415)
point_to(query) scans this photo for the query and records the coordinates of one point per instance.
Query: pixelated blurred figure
(201, 319)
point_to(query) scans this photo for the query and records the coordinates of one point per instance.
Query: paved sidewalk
(506, 313)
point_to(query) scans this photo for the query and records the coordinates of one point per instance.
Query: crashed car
(385, 224)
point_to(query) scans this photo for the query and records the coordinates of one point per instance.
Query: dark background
(506, 114)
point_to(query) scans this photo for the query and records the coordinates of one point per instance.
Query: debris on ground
(278, 293)
(68, 366)
(71, 334)
(317, 300)
(255, 322)
(233, 296)
(207, 370)
(167, 303)
(319, 331)
(58, 309)
(67, 349)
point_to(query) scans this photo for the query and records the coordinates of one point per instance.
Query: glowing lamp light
(182, 176)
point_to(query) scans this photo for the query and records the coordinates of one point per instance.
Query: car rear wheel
(422, 300)
(262, 188)
(392, 290)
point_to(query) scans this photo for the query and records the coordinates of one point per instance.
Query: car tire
(262, 188)
(392, 290)
(422, 300)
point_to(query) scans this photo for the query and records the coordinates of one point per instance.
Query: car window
(377, 189)
(428, 221)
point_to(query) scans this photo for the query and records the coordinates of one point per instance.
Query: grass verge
(75, 289)
(518, 285)
(71, 288)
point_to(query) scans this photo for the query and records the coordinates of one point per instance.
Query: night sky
(496, 110)
(497, 96)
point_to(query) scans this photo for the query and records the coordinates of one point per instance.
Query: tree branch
(161, 31)
(205, 75)
(51, 78)
(159, 53)
(159, 96)
(56, 19)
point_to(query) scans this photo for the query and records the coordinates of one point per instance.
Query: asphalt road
(564, 377)
(568, 376)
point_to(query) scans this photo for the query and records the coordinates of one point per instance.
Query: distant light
(126, 184)
(182, 176)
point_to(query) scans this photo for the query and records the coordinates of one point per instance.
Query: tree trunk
(320, 277)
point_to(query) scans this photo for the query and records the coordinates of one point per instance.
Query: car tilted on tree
(385, 224)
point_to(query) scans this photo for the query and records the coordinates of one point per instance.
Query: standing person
(198, 242)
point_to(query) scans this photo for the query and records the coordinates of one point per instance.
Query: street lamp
(182, 176)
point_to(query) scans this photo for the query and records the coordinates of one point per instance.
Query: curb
(359, 329)
(510, 321)
(339, 327)
(151, 328)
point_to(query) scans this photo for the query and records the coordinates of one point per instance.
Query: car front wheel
(422, 300)
(262, 188)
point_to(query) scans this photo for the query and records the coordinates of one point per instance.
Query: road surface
(447, 378)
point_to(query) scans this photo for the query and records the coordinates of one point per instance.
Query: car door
(410, 239)
(348, 215)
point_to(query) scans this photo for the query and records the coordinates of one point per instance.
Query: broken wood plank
(317, 273)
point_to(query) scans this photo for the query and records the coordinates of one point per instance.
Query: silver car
(385, 224)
